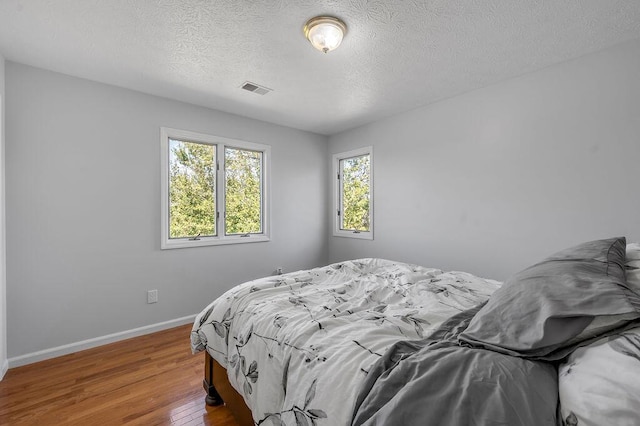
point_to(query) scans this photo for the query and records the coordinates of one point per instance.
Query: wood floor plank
(147, 380)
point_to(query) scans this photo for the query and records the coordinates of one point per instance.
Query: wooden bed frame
(219, 391)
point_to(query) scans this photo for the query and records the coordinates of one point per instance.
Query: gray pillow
(546, 310)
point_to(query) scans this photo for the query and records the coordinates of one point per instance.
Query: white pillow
(633, 251)
(599, 384)
(632, 266)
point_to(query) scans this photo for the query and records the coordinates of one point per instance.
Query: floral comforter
(298, 346)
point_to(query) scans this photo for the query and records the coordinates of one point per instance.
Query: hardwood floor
(147, 380)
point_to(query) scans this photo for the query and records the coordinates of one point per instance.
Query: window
(353, 174)
(214, 190)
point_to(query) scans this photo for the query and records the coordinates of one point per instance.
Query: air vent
(255, 88)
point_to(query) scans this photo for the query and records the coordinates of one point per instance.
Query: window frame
(337, 194)
(220, 144)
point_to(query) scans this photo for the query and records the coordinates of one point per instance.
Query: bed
(372, 341)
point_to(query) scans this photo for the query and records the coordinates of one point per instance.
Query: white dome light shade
(325, 32)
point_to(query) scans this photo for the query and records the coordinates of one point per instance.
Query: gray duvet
(438, 381)
(494, 365)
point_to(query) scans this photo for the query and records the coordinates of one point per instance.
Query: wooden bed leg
(213, 397)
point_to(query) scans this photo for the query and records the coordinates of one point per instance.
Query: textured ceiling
(397, 55)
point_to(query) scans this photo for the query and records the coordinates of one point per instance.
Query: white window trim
(220, 142)
(337, 188)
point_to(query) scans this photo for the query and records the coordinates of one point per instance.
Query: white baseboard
(96, 341)
(4, 368)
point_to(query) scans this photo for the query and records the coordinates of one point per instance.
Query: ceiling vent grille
(255, 88)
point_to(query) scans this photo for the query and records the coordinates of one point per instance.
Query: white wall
(83, 210)
(3, 305)
(486, 182)
(493, 180)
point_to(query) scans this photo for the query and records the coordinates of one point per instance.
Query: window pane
(354, 193)
(243, 191)
(192, 171)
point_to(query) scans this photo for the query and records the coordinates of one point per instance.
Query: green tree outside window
(355, 193)
(243, 190)
(192, 174)
(192, 190)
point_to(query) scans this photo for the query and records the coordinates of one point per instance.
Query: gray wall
(493, 180)
(3, 304)
(83, 210)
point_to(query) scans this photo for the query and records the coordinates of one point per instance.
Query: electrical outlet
(152, 296)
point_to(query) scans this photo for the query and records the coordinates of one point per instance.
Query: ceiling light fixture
(325, 32)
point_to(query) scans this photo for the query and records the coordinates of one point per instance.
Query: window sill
(351, 234)
(212, 241)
